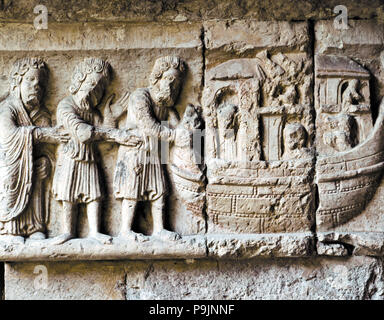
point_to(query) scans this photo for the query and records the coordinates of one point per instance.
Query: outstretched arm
(53, 135)
(125, 137)
(113, 112)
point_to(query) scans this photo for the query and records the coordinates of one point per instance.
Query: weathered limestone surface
(178, 10)
(266, 245)
(362, 232)
(287, 200)
(316, 278)
(257, 84)
(63, 46)
(217, 246)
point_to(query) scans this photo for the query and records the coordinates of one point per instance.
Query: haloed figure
(76, 180)
(139, 174)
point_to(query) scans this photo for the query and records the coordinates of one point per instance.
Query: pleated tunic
(76, 177)
(139, 174)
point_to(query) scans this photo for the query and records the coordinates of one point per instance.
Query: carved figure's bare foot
(103, 238)
(61, 239)
(167, 235)
(37, 236)
(12, 239)
(132, 236)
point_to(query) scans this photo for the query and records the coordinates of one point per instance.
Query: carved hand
(53, 135)
(128, 139)
(62, 136)
(114, 111)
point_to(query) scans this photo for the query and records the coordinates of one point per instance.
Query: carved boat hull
(347, 181)
(260, 197)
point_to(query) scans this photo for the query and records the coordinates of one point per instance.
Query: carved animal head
(192, 118)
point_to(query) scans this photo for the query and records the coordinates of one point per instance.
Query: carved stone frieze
(259, 140)
(243, 140)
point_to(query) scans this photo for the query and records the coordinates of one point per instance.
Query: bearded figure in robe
(76, 180)
(140, 173)
(24, 123)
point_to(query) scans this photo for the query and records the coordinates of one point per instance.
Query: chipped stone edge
(216, 246)
(247, 246)
(209, 246)
(356, 243)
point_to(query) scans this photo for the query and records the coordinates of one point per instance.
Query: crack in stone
(369, 292)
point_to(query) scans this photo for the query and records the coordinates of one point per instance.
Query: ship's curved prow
(347, 181)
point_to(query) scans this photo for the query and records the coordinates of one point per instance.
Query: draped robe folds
(139, 174)
(21, 193)
(76, 177)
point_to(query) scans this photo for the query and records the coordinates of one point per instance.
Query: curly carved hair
(86, 67)
(163, 64)
(22, 66)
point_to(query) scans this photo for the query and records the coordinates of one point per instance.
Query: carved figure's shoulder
(6, 108)
(141, 94)
(66, 104)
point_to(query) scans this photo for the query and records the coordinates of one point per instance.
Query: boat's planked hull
(347, 181)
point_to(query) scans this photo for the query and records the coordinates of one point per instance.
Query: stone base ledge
(247, 246)
(189, 247)
(350, 243)
(209, 246)
(215, 246)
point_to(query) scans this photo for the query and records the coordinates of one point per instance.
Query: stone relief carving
(24, 122)
(77, 177)
(295, 142)
(343, 104)
(140, 174)
(350, 148)
(259, 168)
(261, 106)
(187, 168)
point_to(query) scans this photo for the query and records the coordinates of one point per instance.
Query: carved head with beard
(89, 81)
(166, 79)
(28, 79)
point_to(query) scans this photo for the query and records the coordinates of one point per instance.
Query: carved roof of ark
(236, 69)
(328, 66)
